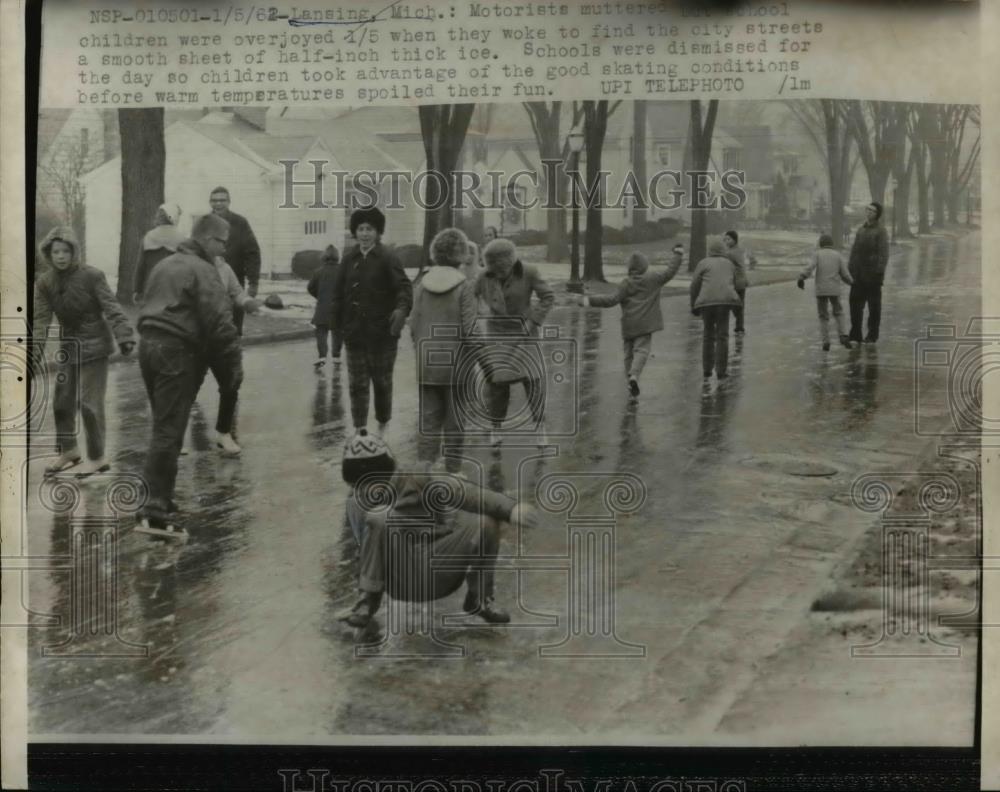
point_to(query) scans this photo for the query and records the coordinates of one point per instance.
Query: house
(243, 150)
(69, 143)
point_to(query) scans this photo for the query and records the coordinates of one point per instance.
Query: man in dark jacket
(186, 324)
(242, 251)
(372, 297)
(869, 258)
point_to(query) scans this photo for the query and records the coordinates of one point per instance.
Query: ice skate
(228, 446)
(65, 462)
(93, 467)
(166, 532)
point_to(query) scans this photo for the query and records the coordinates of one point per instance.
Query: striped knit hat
(365, 454)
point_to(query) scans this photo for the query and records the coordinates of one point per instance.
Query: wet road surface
(649, 619)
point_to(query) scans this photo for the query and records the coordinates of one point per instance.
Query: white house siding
(194, 166)
(80, 136)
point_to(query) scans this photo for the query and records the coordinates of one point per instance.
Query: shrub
(671, 226)
(306, 262)
(410, 256)
(612, 236)
(529, 236)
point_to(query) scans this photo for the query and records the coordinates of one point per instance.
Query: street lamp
(574, 140)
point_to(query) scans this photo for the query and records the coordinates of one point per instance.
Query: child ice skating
(830, 269)
(639, 297)
(321, 287)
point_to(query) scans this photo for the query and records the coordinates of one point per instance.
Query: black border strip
(225, 767)
(103, 766)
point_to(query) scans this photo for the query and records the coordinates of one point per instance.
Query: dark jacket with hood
(90, 318)
(444, 315)
(185, 297)
(367, 290)
(639, 297)
(321, 286)
(869, 254)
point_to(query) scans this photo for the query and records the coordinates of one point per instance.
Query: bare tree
(595, 114)
(876, 129)
(825, 121)
(144, 160)
(959, 162)
(64, 167)
(546, 120)
(443, 128)
(702, 127)
(639, 159)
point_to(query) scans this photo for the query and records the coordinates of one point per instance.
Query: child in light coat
(831, 270)
(639, 297)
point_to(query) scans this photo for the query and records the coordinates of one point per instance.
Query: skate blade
(175, 535)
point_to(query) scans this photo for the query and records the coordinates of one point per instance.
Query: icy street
(236, 634)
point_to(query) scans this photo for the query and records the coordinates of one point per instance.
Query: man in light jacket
(713, 295)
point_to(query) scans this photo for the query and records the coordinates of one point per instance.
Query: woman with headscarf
(158, 243)
(92, 322)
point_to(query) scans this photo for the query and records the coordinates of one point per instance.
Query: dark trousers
(866, 294)
(322, 331)
(81, 387)
(229, 394)
(715, 339)
(438, 418)
(738, 310)
(238, 314)
(369, 367)
(172, 372)
(420, 564)
(498, 395)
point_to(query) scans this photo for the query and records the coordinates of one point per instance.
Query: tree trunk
(144, 159)
(923, 185)
(838, 157)
(596, 115)
(443, 129)
(545, 121)
(700, 143)
(639, 213)
(903, 197)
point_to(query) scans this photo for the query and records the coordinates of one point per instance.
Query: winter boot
(485, 609)
(65, 461)
(633, 387)
(364, 609)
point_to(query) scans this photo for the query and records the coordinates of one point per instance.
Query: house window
(663, 154)
(315, 227)
(731, 159)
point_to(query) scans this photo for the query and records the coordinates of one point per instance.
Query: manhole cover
(790, 465)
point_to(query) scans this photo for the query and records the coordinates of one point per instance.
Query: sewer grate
(790, 465)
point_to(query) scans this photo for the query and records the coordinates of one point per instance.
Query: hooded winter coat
(744, 261)
(830, 271)
(321, 287)
(444, 314)
(639, 297)
(512, 318)
(186, 298)
(89, 316)
(714, 280)
(869, 254)
(158, 243)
